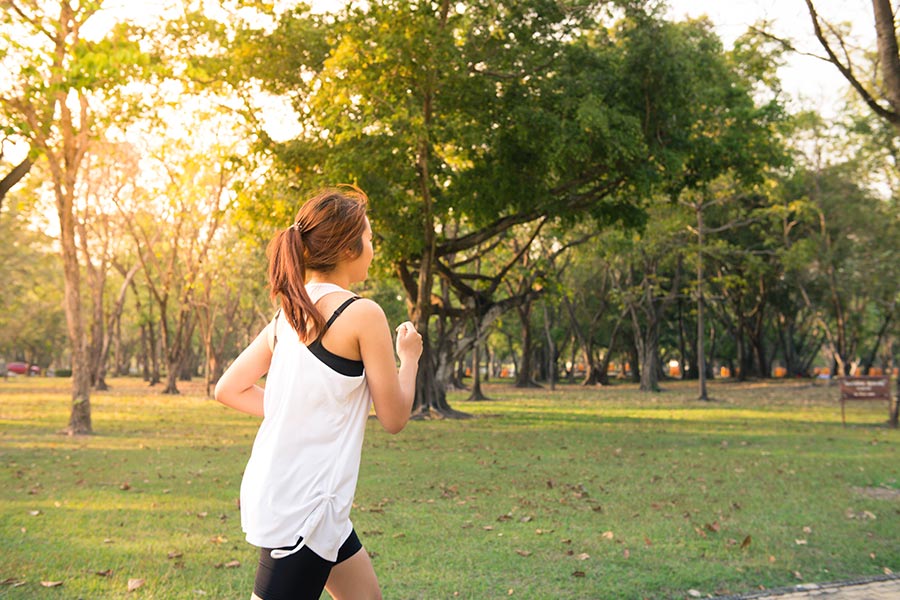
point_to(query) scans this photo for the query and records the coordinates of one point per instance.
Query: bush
(64, 372)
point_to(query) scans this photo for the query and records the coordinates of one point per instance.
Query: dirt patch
(878, 493)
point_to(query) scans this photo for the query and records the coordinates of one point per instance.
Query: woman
(328, 354)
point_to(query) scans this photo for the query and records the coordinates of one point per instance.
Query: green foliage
(506, 117)
(32, 322)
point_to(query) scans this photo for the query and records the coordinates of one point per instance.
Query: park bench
(864, 388)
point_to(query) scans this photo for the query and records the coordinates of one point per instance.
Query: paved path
(879, 588)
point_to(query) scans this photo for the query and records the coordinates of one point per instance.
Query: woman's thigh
(354, 579)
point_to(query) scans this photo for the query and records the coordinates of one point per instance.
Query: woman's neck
(334, 278)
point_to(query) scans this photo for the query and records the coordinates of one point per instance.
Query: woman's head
(327, 231)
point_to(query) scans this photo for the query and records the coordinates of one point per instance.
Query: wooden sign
(864, 388)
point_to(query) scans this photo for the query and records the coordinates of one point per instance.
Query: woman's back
(302, 473)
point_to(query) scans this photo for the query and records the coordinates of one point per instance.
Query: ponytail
(327, 228)
(287, 278)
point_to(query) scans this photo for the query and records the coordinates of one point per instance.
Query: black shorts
(299, 576)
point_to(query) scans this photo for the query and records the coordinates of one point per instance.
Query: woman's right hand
(409, 343)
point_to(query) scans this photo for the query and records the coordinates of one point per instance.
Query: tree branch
(891, 116)
(13, 177)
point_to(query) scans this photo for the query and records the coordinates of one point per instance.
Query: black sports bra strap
(339, 310)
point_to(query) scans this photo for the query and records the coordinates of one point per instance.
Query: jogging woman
(327, 354)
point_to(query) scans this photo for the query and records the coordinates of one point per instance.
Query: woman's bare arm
(238, 386)
(393, 390)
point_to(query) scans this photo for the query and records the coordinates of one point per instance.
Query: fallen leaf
(51, 583)
(488, 527)
(234, 564)
(800, 542)
(694, 594)
(125, 486)
(565, 541)
(746, 542)
(202, 515)
(584, 556)
(510, 592)
(12, 582)
(888, 571)
(626, 553)
(523, 552)
(175, 554)
(134, 584)
(105, 573)
(524, 519)
(608, 535)
(35, 513)
(798, 575)
(578, 574)
(807, 529)
(714, 527)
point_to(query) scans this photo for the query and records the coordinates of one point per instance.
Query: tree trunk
(80, 416)
(551, 350)
(97, 281)
(153, 353)
(888, 56)
(648, 351)
(701, 332)
(870, 359)
(477, 393)
(895, 408)
(524, 374)
(172, 371)
(603, 367)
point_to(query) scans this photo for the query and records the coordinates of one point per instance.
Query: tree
(229, 299)
(648, 270)
(174, 235)
(62, 96)
(882, 93)
(476, 114)
(32, 322)
(110, 171)
(836, 256)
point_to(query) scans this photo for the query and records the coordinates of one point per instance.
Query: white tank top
(301, 476)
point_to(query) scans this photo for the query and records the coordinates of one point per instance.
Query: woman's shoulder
(364, 308)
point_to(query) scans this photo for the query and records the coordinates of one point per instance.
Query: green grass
(759, 488)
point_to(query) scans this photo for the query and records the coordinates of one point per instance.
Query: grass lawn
(577, 493)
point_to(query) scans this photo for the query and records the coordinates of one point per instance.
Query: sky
(811, 82)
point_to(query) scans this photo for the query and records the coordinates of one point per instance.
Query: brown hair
(326, 228)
